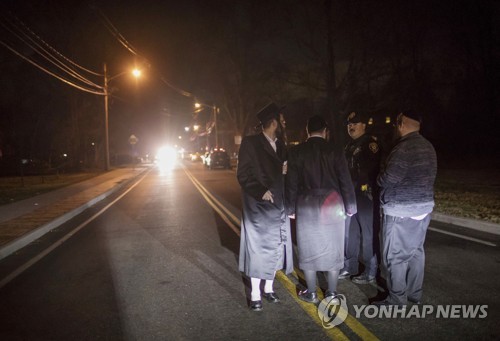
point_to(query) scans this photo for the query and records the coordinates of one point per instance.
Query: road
(158, 261)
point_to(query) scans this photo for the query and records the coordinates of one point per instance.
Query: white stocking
(255, 295)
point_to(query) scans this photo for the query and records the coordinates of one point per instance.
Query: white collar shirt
(271, 141)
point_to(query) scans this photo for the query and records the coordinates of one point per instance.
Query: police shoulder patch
(373, 147)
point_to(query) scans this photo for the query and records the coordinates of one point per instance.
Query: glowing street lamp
(136, 73)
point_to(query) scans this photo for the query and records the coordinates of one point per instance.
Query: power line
(54, 50)
(49, 72)
(121, 39)
(114, 31)
(46, 54)
(34, 42)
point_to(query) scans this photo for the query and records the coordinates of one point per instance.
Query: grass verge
(471, 194)
(18, 188)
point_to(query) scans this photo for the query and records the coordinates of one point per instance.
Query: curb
(33, 235)
(478, 225)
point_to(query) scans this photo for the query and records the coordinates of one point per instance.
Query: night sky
(441, 58)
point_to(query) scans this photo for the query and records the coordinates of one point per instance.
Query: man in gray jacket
(407, 200)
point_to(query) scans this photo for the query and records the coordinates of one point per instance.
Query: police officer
(363, 158)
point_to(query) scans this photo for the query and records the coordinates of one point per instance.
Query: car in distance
(195, 157)
(218, 159)
(204, 158)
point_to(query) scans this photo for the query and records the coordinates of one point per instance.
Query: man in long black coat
(320, 194)
(265, 242)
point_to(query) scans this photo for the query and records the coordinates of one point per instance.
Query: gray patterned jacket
(407, 181)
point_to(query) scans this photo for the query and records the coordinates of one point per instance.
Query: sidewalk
(27, 220)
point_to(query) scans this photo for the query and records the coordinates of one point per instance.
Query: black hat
(316, 123)
(269, 112)
(356, 117)
(412, 114)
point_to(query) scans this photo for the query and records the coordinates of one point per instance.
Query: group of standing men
(334, 194)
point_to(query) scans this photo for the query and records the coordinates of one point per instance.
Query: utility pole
(216, 131)
(106, 131)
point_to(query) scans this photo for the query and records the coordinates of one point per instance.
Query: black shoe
(364, 278)
(344, 274)
(414, 301)
(309, 297)
(389, 304)
(256, 305)
(329, 293)
(271, 297)
(330, 296)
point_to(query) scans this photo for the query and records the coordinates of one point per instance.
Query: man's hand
(291, 216)
(268, 196)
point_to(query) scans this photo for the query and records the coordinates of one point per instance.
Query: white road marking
(48, 250)
(462, 236)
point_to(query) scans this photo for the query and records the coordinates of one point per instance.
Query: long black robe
(319, 192)
(265, 228)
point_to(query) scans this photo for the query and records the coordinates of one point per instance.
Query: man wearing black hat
(407, 200)
(363, 158)
(320, 194)
(265, 243)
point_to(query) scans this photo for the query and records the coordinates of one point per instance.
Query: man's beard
(281, 133)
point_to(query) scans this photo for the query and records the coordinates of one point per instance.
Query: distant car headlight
(166, 157)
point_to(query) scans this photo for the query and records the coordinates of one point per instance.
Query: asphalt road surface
(158, 261)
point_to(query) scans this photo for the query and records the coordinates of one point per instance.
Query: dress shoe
(414, 301)
(364, 278)
(256, 305)
(344, 274)
(389, 304)
(271, 297)
(331, 297)
(329, 294)
(309, 297)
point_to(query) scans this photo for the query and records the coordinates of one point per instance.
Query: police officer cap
(412, 114)
(316, 123)
(357, 117)
(269, 112)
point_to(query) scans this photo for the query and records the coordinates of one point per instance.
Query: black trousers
(403, 257)
(361, 236)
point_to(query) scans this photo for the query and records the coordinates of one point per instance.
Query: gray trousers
(403, 257)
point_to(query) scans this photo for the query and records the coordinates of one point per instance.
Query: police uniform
(363, 159)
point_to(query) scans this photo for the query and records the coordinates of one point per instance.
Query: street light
(136, 73)
(198, 105)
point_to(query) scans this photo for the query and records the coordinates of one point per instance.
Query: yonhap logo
(332, 311)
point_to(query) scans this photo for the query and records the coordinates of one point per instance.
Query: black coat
(265, 228)
(319, 192)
